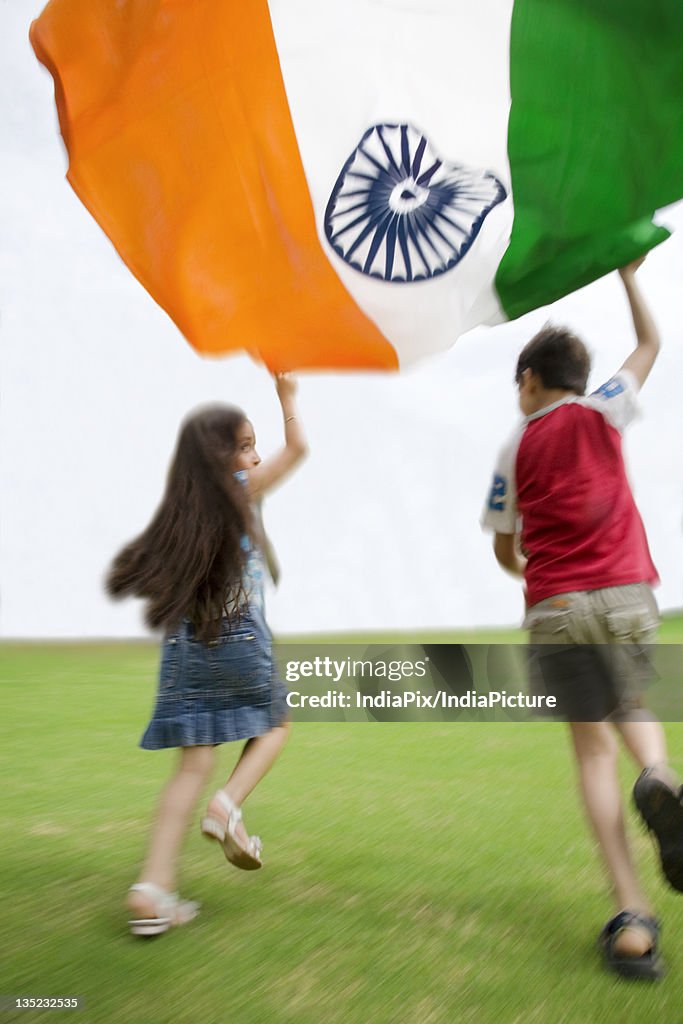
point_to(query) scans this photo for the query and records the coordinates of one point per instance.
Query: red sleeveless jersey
(562, 484)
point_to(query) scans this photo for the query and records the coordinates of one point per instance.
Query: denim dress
(227, 689)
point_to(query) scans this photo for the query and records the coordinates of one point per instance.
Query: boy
(565, 520)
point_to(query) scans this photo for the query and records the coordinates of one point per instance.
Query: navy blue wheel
(400, 213)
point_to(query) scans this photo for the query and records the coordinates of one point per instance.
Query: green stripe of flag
(595, 140)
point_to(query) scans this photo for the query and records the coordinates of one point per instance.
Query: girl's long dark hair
(189, 561)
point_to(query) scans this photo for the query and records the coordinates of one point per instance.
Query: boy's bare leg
(596, 750)
(645, 740)
(178, 800)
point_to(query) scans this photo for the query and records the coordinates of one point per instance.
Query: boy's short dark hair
(558, 357)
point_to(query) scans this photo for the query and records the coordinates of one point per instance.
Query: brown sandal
(649, 966)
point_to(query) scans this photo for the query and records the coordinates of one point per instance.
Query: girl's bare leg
(176, 805)
(257, 757)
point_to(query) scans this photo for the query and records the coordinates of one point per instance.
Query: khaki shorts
(591, 650)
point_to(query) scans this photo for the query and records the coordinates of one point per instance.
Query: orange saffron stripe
(181, 145)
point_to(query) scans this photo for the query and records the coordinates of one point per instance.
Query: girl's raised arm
(272, 470)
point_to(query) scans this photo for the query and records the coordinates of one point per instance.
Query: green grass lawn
(414, 872)
(671, 632)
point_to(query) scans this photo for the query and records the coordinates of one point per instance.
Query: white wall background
(378, 530)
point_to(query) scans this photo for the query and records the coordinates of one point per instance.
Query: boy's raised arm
(642, 359)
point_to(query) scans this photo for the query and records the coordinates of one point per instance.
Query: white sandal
(170, 910)
(248, 858)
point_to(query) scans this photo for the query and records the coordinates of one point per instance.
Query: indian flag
(356, 183)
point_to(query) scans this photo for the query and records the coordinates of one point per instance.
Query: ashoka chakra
(400, 213)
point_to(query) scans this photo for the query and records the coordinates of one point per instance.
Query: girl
(199, 565)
